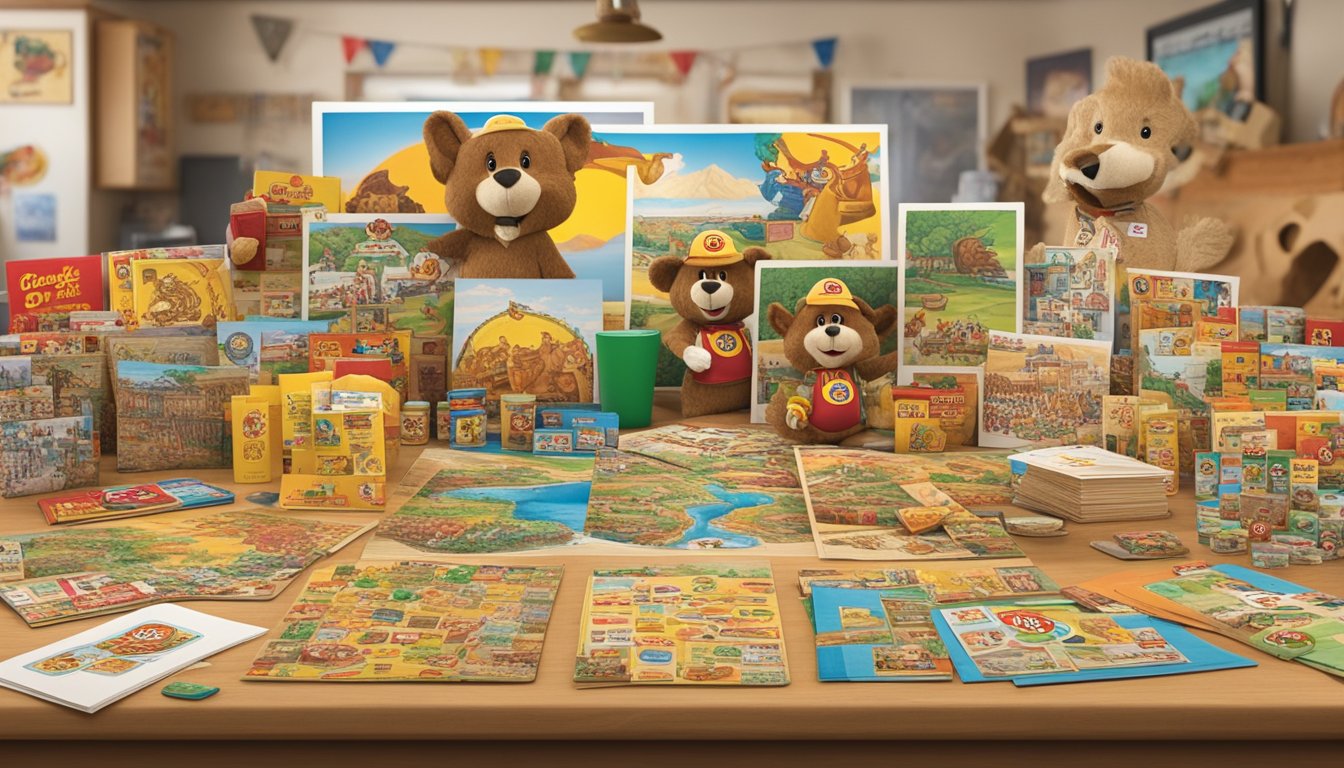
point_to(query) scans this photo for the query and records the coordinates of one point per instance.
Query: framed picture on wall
(1056, 81)
(1217, 53)
(37, 66)
(936, 131)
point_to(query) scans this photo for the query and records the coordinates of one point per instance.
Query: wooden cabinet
(132, 109)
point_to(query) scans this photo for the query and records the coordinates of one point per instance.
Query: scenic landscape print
(963, 279)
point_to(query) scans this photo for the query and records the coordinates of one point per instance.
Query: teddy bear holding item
(506, 186)
(836, 338)
(1118, 147)
(713, 288)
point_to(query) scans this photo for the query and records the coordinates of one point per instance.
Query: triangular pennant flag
(542, 62)
(381, 50)
(489, 60)
(683, 60)
(578, 61)
(351, 46)
(273, 32)
(825, 50)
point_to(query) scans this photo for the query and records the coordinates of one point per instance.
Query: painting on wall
(38, 67)
(935, 133)
(1216, 52)
(1056, 81)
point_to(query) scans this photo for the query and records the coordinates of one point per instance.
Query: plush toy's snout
(1114, 165)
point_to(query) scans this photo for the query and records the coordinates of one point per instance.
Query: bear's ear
(663, 272)
(755, 254)
(779, 317)
(445, 133)
(575, 135)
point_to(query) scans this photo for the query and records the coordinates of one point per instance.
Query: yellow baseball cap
(712, 248)
(830, 292)
(503, 123)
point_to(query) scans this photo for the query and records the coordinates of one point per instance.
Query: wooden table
(1242, 715)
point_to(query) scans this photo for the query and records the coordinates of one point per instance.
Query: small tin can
(517, 416)
(443, 425)
(415, 423)
(468, 428)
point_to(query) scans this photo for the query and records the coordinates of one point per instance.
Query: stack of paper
(1087, 484)
(119, 657)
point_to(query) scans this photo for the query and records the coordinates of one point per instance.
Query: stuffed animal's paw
(797, 412)
(696, 358)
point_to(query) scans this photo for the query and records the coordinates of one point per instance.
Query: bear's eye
(704, 275)
(490, 163)
(526, 159)
(821, 320)
(1097, 128)
(838, 320)
(723, 276)
(1146, 133)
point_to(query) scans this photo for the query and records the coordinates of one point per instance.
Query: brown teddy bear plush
(1117, 149)
(713, 289)
(836, 338)
(506, 186)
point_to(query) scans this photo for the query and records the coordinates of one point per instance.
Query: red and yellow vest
(730, 354)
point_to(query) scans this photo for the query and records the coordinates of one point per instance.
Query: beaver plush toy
(506, 186)
(836, 338)
(1117, 149)
(713, 289)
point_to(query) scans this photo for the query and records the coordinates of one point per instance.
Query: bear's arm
(680, 337)
(454, 246)
(551, 263)
(878, 366)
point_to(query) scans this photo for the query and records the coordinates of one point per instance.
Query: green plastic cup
(626, 362)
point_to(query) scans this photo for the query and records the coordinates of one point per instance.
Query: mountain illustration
(710, 183)
(581, 242)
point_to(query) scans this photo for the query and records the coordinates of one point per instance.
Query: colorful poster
(38, 66)
(787, 282)
(649, 625)
(1070, 293)
(963, 279)
(1043, 390)
(45, 455)
(1151, 298)
(378, 152)
(1177, 371)
(366, 273)
(534, 337)
(121, 286)
(414, 622)
(798, 191)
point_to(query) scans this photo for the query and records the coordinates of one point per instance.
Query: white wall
(955, 40)
(62, 132)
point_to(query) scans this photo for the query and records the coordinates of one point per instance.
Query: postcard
(971, 381)
(1043, 390)
(173, 416)
(273, 346)
(169, 292)
(121, 285)
(379, 265)
(786, 283)
(526, 337)
(1071, 293)
(45, 455)
(877, 635)
(1155, 299)
(99, 666)
(963, 279)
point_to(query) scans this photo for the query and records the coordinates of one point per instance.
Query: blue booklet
(1046, 644)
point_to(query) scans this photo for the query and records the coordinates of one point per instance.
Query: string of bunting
(275, 32)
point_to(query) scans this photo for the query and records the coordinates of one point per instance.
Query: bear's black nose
(1090, 171)
(832, 330)
(709, 286)
(510, 176)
